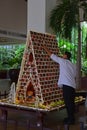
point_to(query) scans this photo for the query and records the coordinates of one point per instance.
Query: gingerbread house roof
(38, 72)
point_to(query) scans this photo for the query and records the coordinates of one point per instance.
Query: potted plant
(11, 61)
(15, 63)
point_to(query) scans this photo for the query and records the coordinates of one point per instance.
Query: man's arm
(47, 50)
(55, 58)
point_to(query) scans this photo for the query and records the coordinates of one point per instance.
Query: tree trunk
(79, 57)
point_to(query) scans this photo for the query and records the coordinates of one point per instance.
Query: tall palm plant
(66, 16)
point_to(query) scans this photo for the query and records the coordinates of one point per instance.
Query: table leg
(81, 126)
(66, 127)
(3, 115)
(16, 125)
(28, 124)
(40, 118)
(4, 118)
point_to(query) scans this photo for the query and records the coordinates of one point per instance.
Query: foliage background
(11, 56)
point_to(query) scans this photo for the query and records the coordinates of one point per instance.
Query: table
(81, 93)
(38, 113)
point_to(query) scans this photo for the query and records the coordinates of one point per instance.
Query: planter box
(13, 75)
(3, 74)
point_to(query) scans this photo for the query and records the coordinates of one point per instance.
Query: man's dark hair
(68, 54)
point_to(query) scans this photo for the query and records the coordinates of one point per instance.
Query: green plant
(64, 18)
(15, 60)
(65, 45)
(11, 58)
(84, 67)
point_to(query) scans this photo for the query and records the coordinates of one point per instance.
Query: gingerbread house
(38, 75)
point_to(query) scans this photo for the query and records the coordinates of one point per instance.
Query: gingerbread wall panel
(38, 74)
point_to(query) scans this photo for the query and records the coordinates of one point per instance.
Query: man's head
(67, 55)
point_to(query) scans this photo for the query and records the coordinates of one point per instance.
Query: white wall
(50, 4)
(13, 15)
(21, 16)
(38, 15)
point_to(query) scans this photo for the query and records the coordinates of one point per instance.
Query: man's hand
(47, 50)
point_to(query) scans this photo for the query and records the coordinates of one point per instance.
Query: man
(67, 80)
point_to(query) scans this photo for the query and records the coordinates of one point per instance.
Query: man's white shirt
(67, 73)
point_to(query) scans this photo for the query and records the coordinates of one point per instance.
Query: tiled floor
(52, 120)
